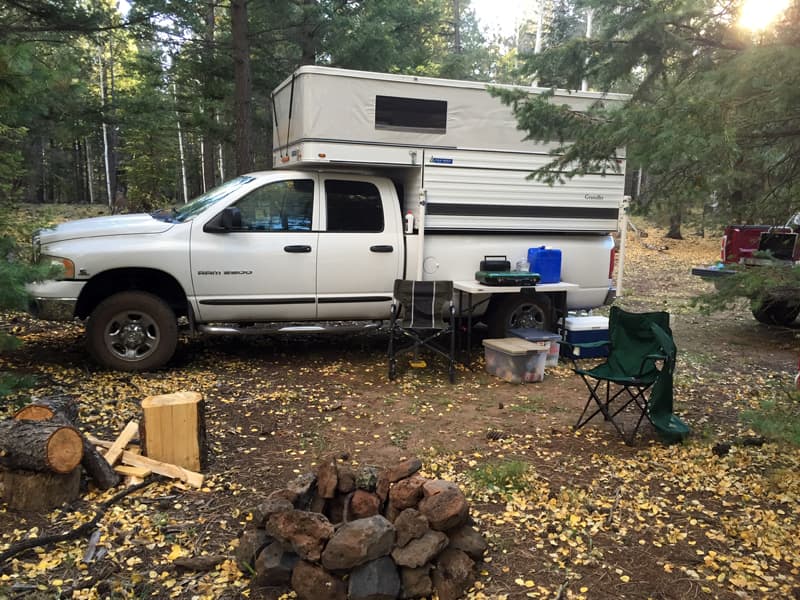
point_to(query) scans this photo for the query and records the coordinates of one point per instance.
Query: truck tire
(132, 331)
(775, 312)
(514, 311)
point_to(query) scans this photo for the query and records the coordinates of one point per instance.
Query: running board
(280, 329)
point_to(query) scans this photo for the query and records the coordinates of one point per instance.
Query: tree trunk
(307, 41)
(40, 446)
(674, 232)
(242, 86)
(207, 140)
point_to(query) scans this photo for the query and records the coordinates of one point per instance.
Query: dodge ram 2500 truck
(320, 240)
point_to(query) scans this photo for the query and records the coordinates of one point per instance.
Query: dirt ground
(576, 515)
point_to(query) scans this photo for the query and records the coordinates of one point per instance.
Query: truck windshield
(188, 211)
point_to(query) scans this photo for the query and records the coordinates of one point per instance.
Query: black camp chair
(423, 315)
(637, 373)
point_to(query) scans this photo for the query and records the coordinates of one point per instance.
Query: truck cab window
(278, 206)
(353, 206)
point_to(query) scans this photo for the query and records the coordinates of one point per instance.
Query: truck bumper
(53, 309)
(54, 300)
(711, 272)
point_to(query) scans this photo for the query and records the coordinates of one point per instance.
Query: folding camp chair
(423, 315)
(637, 373)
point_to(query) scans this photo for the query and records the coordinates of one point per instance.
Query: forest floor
(566, 514)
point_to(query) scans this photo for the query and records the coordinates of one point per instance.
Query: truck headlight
(67, 266)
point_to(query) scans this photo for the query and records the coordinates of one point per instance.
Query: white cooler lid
(585, 323)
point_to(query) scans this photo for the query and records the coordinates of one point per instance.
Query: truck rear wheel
(520, 311)
(132, 331)
(775, 312)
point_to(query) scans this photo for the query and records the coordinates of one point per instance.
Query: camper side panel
(491, 191)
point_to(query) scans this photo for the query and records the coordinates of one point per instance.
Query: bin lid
(535, 335)
(515, 346)
(585, 323)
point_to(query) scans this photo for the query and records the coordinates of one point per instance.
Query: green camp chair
(637, 373)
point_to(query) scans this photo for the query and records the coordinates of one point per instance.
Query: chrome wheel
(132, 335)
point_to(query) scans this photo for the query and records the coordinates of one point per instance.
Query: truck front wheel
(775, 312)
(132, 331)
(520, 311)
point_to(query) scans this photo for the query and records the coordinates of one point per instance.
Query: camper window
(392, 112)
(353, 206)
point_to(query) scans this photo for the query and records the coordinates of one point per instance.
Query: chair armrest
(651, 358)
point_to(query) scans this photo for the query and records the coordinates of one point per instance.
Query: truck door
(360, 247)
(263, 269)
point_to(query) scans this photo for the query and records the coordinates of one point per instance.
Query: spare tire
(775, 312)
(519, 311)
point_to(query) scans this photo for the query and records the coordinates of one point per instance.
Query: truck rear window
(392, 112)
(353, 206)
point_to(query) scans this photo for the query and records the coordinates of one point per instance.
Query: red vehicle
(742, 244)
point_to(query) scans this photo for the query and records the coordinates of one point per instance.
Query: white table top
(475, 287)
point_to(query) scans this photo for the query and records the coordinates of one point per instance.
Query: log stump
(173, 429)
(34, 491)
(63, 409)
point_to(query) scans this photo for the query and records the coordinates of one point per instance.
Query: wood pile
(43, 453)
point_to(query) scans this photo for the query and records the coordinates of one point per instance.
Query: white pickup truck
(320, 240)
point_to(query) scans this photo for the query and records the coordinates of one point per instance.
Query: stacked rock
(363, 533)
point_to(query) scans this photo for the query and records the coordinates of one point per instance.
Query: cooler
(539, 335)
(515, 360)
(581, 330)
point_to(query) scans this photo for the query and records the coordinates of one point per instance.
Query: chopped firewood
(127, 470)
(115, 451)
(45, 409)
(40, 446)
(173, 429)
(64, 409)
(168, 470)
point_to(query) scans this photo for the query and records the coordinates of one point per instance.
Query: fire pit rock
(345, 533)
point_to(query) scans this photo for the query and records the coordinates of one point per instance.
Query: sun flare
(759, 14)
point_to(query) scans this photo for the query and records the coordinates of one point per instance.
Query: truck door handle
(381, 249)
(297, 249)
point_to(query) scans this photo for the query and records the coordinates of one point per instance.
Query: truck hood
(102, 226)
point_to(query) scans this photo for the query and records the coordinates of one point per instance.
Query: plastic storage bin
(546, 262)
(580, 330)
(515, 360)
(539, 335)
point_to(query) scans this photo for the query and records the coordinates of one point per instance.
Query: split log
(124, 438)
(162, 468)
(63, 409)
(174, 430)
(40, 446)
(45, 409)
(29, 490)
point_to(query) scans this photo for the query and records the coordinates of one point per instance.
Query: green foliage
(778, 421)
(507, 476)
(713, 113)
(755, 283)
(10, 383)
